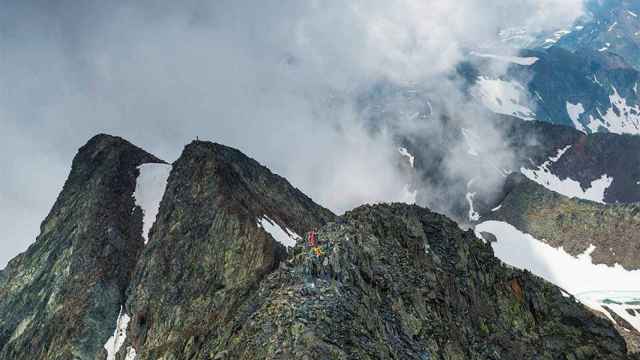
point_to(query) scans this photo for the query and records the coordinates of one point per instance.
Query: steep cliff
(60, 299)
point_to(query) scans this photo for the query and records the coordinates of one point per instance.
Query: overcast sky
(277, 79)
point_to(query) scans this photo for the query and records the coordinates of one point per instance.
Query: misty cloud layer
(280, 80)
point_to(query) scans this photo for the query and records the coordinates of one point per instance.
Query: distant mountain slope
(573, 224)
(613, 27)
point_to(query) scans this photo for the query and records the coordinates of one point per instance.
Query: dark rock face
(573, 224)
(392, 281)
(397, 282)
(60, 299)
(206, 251)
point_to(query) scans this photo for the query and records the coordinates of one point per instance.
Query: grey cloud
(278, 79)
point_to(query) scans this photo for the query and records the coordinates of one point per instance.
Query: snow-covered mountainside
(586, 77)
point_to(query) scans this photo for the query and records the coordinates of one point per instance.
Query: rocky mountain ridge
(216, 280)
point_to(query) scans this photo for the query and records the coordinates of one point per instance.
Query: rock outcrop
(60, 299)
(208, 249)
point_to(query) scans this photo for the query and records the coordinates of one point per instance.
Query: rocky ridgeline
(393, 282)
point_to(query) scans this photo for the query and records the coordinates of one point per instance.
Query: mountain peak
(59, 298)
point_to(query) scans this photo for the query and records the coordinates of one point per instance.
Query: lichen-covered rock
(398, 282)
(207, 250)
(216, 282)
(60, 299)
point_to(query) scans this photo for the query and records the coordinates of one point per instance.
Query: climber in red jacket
(312, 239)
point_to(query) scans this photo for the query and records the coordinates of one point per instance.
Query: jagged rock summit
(226, 275)
(59, 298)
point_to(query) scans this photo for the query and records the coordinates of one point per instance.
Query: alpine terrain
(226, 274)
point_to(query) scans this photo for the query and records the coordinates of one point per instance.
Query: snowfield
(574, 111)
(626, 120)
(286, 236)
(114, 343)
(150, 187)
(503, 97)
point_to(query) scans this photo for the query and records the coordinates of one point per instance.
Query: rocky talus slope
(216, 282)
(400, 282)
(60, 299)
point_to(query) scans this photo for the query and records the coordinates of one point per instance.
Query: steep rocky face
(209, 247)
(396, 282)
(60, 299)
(573, 224)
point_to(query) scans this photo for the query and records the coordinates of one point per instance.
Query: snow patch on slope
(620, 118)
(567, 187)
(114, 343)
(286, 236)
(404, 152)
(524, 61)
(574, 274)
(503, 97)
(574, 112)
(131, 353)
(473, 215)
(150, 187)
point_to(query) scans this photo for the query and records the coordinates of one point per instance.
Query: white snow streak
(404, 152)
(150, 187)
(503, 97)
(113, 344)
(567, 187)
(574, 112)
(286, 236)
(524, 61)
(473, 215)
(131, 353)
